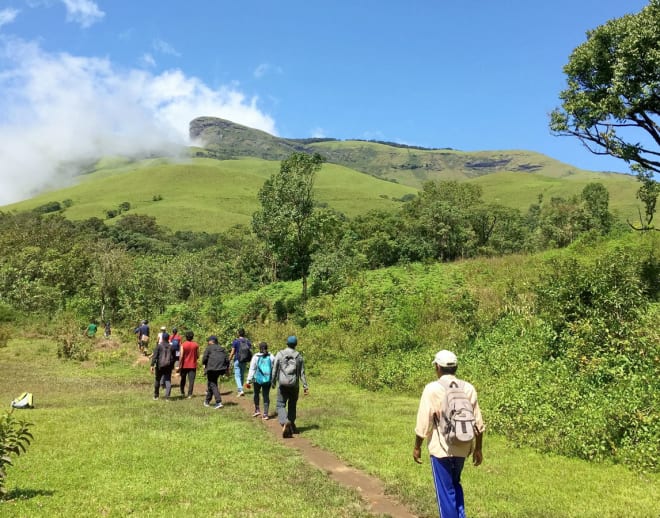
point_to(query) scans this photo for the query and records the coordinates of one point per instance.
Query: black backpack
(166, 357)
(244, 351)
(224, 361)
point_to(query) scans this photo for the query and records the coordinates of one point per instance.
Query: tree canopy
(612, 102)
(286, 221)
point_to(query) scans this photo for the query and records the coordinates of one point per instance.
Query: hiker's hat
(163, 328)
(445, 358)
(292, 340)
(213, 339)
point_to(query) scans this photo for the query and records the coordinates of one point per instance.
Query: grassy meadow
(103, 447)
(206, 194)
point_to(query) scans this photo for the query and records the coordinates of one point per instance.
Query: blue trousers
(239, 374)
(448, 489)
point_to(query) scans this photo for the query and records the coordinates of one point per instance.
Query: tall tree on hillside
(612, 102)
(286, 220)
(439, 219)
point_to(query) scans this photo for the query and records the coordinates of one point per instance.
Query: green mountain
(409, 165)
(218, 186)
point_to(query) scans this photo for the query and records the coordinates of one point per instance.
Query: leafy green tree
(596, 199)
(648, 195)
(286, 220)
(440, 218)
(612, 103)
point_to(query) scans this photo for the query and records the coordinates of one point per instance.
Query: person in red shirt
(188, 364)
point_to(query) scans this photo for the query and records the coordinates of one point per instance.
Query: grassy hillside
(511, 177)
(219, 187)
(207, 194)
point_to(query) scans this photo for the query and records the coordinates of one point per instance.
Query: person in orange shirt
(188, 358)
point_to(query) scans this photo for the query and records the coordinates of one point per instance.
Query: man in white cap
(447, 453)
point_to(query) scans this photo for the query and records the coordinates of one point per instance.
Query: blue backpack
(263, 373)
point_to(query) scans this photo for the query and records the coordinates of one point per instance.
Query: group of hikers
(262, 370)
(448, 416)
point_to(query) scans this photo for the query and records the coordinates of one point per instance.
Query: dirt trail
(370, 488)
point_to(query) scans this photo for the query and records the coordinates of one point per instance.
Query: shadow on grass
(26, 494)
(307, 428)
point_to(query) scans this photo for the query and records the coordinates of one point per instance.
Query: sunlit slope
(206, 194)
(519, 190)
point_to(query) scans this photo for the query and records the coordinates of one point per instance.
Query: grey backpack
(456, 422)
(288, 376)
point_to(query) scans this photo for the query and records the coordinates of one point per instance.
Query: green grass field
(103, 448)
(207, 194)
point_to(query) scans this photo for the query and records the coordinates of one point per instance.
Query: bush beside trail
(564, 348)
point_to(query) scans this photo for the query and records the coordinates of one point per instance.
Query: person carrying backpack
(450, 419)
(241, 355)
(216, 364)
(142, 332)
(175, 342)
(261, 370)
(288, 373)
(162, 363)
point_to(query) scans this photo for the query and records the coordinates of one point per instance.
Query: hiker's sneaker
(189, 397)
(256, 413)
(218, 405)
(294, 429)
(240, 394)
(265, 417)
(286, 431)
(155, 398)
(206, 403)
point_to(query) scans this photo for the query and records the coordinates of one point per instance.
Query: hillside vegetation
(218, 188)
(205, 194)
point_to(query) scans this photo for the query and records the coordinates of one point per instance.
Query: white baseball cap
(445, 358)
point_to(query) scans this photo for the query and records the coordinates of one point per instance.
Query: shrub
(15, 437)
(72, 343)
(51, 206)
(5, 335)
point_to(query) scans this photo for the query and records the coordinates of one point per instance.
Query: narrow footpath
(370, 488)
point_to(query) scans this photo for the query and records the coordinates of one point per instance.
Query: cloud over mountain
(59, 111)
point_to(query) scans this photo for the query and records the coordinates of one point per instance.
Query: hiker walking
(91, 329)
(163, 330)
(261, 370)
(175, 342)
(288, 372)
(241, 354)
(450, 419)
(142, 332)
(188, 364)
(216, 364)
(162, 363)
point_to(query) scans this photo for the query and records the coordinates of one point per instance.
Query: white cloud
(148, 60)
(165, 48)
(59, 111)
(8, 16)
(84, 12)
(318, 133)
(266, 68)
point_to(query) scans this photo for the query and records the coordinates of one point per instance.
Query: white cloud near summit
(60, 112)
(84, 12)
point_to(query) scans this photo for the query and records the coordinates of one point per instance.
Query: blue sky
(83, 77)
